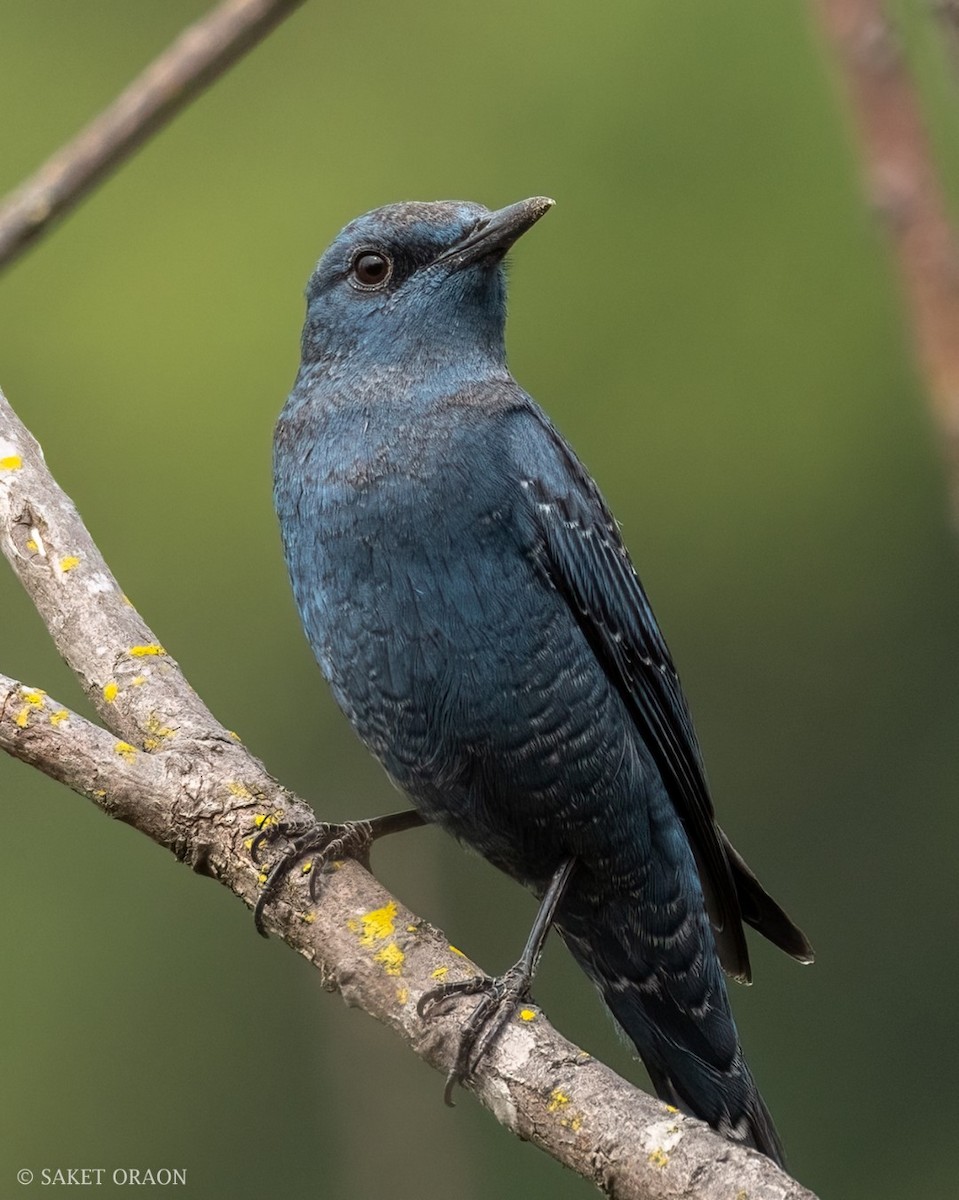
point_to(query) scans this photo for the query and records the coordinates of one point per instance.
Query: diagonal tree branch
(200, 54)
(162, 763)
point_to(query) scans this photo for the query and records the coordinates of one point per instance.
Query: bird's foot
(322, 843)
(317, 841)
(500, 996)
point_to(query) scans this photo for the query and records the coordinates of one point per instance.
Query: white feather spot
(737, 1130)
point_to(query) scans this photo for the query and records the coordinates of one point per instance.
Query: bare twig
(166, 766)
(194, 60)
(905, 188)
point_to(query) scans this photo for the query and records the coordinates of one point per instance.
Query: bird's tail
(666, 991)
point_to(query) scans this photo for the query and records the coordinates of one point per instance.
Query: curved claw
(502, 994)
(485, 1022)
(272, 827)
(452, 1079)
(445, 991)
(326, 843)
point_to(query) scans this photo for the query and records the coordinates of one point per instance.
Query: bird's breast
(454, 658)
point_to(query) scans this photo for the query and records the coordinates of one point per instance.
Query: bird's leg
(500, 994)
(324, 843)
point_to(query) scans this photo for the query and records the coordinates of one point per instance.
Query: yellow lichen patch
(375, 926)
(671, 1108)
(100, 794)
(307, 867)
(138, 681)
(68, 563)
(559, 1104)
(110, 691)
(658, 1158)
(454, 950)
(308, 918)
(11, 462)
(248, 842)
(243, 793)
(125, 750)
(34, 699)
(146, 651)
(391, 958)
(557, 1101)
(411, 929)
(261, 878)
(742, 1195)
(527, 1014)
(439, 972)
(60, 715)
(264, 820)
(158, 733)
(126, 599)
(32, 546)
(402, 995)
(235, 736)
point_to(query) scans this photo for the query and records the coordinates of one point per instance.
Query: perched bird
(468, 597)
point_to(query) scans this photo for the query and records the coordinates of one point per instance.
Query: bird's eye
(371, 269)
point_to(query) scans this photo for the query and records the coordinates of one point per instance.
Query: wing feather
(580, 548)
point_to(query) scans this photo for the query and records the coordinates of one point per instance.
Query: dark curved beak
(494, 235)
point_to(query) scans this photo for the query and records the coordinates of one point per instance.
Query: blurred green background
(711, 316)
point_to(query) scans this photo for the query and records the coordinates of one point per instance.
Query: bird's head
(409, 284)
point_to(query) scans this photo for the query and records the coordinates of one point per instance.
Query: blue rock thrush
(468, 597)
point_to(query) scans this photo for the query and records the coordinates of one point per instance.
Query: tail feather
(667, 993)
(762, 912)
(740, 1114)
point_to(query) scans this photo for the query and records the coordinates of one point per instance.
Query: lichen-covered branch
(162, 763)
(905, 188)
(195, 59)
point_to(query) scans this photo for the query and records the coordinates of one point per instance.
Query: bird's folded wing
(584, 557)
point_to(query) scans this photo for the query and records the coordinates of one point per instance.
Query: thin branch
(165, 765)
(194, 60)
(904, 186)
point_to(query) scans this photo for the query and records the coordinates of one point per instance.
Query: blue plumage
(466, 593)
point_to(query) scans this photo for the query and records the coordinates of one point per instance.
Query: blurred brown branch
(200, 54)
(948, 13)
(161, 762)
(904, 186)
